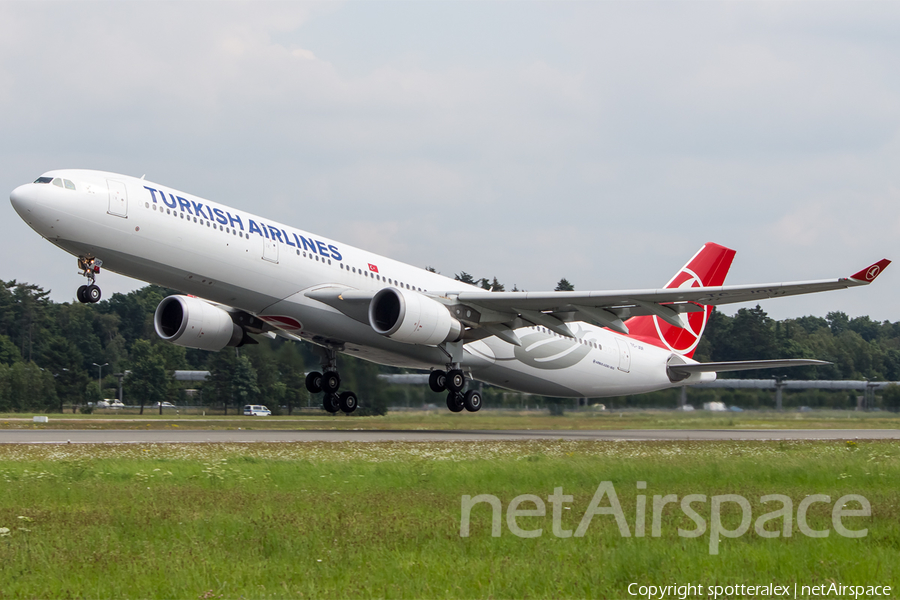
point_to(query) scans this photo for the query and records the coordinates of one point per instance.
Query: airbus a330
(243, 275)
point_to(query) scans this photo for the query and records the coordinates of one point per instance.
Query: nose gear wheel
(90, 268)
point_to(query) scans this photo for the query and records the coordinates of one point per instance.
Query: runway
(60, 436)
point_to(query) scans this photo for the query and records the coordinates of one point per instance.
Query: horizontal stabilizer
(743, 365)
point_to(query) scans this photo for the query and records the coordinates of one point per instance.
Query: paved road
(60, 436)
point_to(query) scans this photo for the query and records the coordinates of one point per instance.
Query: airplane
(242, 275)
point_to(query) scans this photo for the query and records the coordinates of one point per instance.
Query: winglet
(870, 273)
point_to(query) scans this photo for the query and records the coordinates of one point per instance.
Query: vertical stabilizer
(707, 268)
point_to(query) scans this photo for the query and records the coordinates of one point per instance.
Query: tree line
(55, 355)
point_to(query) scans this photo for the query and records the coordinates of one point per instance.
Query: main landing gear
(329, 382)
(453, 381)
(90, 268)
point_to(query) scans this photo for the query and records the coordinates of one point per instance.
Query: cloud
(604, 142)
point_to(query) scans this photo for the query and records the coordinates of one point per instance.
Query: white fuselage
(160, 235)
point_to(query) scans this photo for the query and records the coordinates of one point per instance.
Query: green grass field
(383, 519)
(486, 419)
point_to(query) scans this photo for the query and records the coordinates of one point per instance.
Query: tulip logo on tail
(873, 272)
(707, 268)
(684, 340)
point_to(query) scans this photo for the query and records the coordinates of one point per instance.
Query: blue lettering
(334, 253)
(172, 198)
(296, 239)
(152, 193)
(234, 220)
(287, 240)
(198, 209)
(220, 216)
(275, 233)
(308, 245)
(185, 205)
(323, 250)
(254, 228)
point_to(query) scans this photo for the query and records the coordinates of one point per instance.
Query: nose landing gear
(90, 268)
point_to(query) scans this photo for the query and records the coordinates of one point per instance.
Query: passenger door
(624, 355)
(270, 250)
(118, 198)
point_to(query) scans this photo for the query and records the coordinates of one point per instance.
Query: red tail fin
(707, 268)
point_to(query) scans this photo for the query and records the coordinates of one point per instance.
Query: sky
(603, 142)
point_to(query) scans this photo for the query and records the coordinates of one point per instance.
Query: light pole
(100, 378)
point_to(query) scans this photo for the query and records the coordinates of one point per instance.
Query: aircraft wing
(610, 308)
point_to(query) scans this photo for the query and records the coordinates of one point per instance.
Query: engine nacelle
(412, 318)
(194, 323)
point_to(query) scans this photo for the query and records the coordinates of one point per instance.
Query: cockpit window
(57, 181)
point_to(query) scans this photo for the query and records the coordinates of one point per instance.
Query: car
(164, 405)
(256, 410)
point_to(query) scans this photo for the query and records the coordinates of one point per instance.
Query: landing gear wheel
(348, 402)
(331, 381)
(455, 402)
(81, 294)
(456, 380)
(92, 294)
(314, 382)
(472, 400)
(330, 403)
(437, 381)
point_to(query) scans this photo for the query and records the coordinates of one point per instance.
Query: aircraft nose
(19, 198)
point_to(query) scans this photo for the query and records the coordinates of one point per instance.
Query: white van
(256, 410)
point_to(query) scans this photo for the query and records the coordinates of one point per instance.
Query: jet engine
(191, 322)
(412, 318)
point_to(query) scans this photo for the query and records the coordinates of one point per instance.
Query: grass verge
(383, 519)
